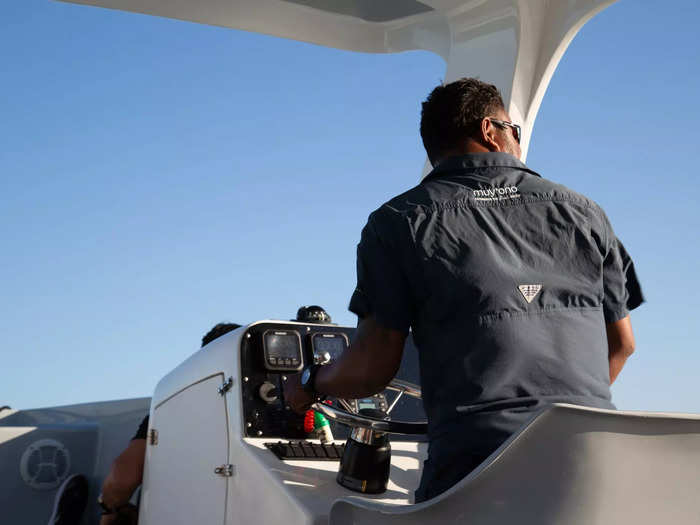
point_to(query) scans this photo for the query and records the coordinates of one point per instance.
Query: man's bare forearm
(364, 369)
(348, 378)
(125, 475)
(367, 366)
(620, 345)
(617, 362)
(114, 493)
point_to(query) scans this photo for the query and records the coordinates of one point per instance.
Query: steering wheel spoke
(389, 426)
(347, 406)
(399, 395)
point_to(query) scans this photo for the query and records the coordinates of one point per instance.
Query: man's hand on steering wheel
(300, 401)
(295, 396)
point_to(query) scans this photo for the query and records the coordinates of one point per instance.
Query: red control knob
(309, 421)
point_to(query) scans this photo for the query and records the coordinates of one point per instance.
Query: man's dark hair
(218, 330)
(454, 111)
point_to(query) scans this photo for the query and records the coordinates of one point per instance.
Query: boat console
(220, 426)
(271, 351)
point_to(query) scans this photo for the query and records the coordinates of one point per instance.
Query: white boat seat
(571, 465)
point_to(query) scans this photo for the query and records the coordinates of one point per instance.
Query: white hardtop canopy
(514, 44)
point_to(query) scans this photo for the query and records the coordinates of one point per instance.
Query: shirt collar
(471, 161)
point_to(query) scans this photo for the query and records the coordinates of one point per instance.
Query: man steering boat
(516, 289)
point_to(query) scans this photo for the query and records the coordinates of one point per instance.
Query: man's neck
(470, 146)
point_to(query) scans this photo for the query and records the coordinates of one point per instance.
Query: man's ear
(489, 135)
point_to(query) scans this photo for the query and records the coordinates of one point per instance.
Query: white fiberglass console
(224, 447)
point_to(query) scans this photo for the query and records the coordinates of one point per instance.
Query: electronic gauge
(282, 350)
(334, 344)
(376, 402)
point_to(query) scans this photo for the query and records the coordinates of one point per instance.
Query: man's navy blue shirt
(507, 281)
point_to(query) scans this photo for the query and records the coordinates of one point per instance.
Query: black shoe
(70, 501)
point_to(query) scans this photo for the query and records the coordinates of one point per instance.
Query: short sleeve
(621, 289)
(142, 432)
(382, 287)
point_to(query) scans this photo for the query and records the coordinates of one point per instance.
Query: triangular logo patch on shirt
(529, 291)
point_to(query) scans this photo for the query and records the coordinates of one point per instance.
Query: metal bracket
(226, 386)
(225, 471)
(153, 437)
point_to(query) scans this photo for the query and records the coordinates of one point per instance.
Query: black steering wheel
(351, 418)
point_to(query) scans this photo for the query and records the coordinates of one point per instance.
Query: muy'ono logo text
(506, 192)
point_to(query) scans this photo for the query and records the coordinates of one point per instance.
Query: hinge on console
(226, 386)
(153, 437)
(225, 471)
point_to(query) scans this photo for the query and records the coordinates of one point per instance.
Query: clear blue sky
(158, 177)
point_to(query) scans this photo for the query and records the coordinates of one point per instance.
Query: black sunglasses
(503, 124)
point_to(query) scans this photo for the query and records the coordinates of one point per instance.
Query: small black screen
(334, 345)
(283, 345)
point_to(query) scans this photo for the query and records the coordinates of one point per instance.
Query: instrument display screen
(376, 402)
(335, 344)
(366, 403)
(282, 350)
